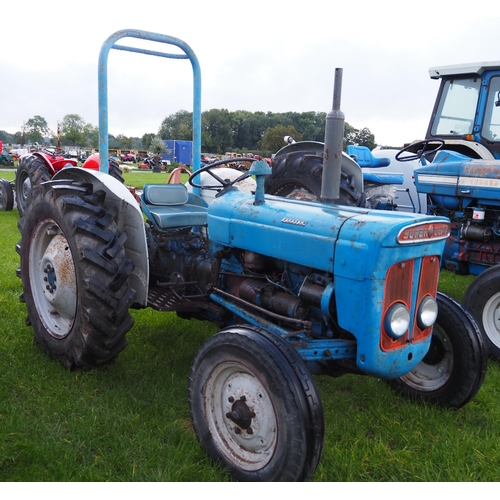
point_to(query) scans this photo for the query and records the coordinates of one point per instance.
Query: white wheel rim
(53, 278)
(434, 370)
(249, 449)
(491, 319)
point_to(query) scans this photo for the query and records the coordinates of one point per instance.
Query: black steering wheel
(223, 183)
(420, 149)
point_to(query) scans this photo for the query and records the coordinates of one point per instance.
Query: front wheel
(453, 370)
(255, 407)
(482, 300)
(75, 274)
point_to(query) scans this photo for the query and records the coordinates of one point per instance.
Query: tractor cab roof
(477, 68)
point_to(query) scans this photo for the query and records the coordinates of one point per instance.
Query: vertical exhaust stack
(334, 141)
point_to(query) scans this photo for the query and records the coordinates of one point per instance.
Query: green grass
(129, 421)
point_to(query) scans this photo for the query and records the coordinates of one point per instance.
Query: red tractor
(41, 166)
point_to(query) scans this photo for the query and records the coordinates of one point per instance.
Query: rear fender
(54, 164)
(129, 219)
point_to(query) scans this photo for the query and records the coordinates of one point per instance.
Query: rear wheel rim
(491, 319)
(53, 278)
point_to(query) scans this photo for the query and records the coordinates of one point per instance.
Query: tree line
(222, 131)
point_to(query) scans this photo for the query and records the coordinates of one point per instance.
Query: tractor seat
(171, 206)
(364, 158)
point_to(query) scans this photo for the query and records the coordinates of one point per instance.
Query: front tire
(453, 370)
(74, 274)
(255, 407)
(482, 300)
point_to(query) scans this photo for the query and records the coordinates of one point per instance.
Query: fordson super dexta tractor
(297, 287)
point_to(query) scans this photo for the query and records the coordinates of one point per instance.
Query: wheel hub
(241, 414)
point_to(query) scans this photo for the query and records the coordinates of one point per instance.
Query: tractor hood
(318, 235)
(453, 176)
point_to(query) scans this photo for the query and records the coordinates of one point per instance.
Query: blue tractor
(297, 287)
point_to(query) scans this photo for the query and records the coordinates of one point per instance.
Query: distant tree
(178, 126)
(361, 137)
(91, 136)
(36, 129)
(73, 131)
(6, 138)
(240, 130)
(146, 140)
(124, 142)
(19, 137)
(157, 147)
(273, 138)
(217, 131)
(248, 128)
(310, 124)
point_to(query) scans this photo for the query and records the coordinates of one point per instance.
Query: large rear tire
(75, 274)
(255, 407)
(299, 175)
(482, 300)
(31, 171)
(453, 370)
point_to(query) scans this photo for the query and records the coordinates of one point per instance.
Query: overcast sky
(255, 56)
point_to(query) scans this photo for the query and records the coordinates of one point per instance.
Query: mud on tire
(75, 274)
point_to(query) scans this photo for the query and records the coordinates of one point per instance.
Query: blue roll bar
(109, 44)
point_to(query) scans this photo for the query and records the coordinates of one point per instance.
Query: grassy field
(129, 421)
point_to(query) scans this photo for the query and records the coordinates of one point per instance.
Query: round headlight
(427, 312)
(397, 320)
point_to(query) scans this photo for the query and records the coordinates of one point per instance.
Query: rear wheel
(482, 299)
(299, 175)
(115, 171)
(31, 172)
(75, 275)
(453, 370)
(6, 196)
(255, 407)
